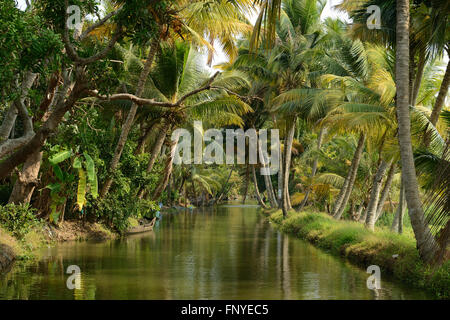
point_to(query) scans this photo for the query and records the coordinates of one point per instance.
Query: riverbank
(12, 249)
(395, 254)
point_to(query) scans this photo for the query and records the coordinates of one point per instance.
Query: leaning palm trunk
(130, 118)
(340, 196)
(352, 176)
(143, 140)
(419, 76)
(287, 166)
(441, 96)
(358, 212)
(157, 146)
(385, 193)
(314, 166)
(156, 150)
(375, 195)
(224, 187)
(267, 179)
(439, 104)
(424, 238)
(258, 195)
(167, 172)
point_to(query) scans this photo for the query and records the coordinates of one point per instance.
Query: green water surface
(229, 252)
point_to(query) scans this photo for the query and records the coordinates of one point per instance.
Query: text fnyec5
(208, 147)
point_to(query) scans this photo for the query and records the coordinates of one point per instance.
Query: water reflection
(222, 253)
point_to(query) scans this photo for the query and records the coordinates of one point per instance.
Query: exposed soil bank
(78, 230)
(395, 254)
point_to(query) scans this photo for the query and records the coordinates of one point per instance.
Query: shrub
(18, 219)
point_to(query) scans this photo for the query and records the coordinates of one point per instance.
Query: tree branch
(99, 23)
(206, 87)
(72, 53)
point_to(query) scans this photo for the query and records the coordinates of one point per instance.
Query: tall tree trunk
(352, 175)
(156, 150)
(224, 187)
(280, 180)
(358, 212)
(144, 138)
(341, 194)
(441, 96)
(322, 132)
(258, 195)
(130, 118)
(419, 76)
(267, 179)
(385, 193)
(157, 146)
(287, 166)
(167, 172)
(27, 180)
(375, 195)
(424, 238)
(247, 182)
(397, 224)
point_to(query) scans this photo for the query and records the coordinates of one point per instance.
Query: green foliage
(18, 219)
(117, 212)
(60, 190)
(24, 45)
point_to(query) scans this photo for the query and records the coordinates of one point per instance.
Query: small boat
(142, 228)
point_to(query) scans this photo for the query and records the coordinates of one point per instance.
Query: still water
(229, 252)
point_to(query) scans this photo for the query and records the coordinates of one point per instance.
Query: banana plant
(87, 181)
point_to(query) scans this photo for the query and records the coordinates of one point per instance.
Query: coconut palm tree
(425, 241)
(194, 18)
(295, 60)
(179, 75)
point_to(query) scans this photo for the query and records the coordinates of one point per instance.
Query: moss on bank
(394, 253)
(12, 249)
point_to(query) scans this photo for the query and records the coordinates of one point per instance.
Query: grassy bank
(24, 249)
(363, 247)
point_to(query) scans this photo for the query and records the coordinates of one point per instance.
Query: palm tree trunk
(322, 132)
(130, 118)
(419, 76)
(247, 182)
(267, 179)
(441, 96)
(143, 139)
(156, 150)
(358, 212)
(167, 172)
(375, 195)
(157, 146)
(385, 192)
(224, 187)
(424, 238)
(280, 180)
(352, 175)
(287, 166)
(397, 224)
(340, 196)
(258, 195)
